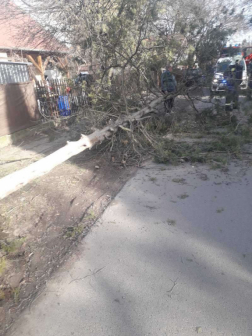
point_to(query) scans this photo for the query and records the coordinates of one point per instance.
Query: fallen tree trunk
(20, 178)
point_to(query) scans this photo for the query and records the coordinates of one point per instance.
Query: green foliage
(209, 47)
(226, 144)
(168, 151)
(158, 125)
(246, 133)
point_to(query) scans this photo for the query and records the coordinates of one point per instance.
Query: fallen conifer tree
(20, 178)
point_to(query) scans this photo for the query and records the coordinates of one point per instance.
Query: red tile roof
(20, 31)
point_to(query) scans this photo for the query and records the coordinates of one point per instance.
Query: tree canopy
(137, 37)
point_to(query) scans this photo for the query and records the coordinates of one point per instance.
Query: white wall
(53, 74)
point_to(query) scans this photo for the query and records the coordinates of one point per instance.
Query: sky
(240, 36)
(234, 39)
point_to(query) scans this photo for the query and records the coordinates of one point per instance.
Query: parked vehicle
(232, 50)
(219, 84)
(84, 76)
(247, 54)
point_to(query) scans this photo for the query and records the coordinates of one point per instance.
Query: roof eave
(36, 50)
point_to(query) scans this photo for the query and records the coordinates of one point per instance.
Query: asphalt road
(172, 255)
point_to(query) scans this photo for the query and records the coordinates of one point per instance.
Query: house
(23, 40)
(27, 53)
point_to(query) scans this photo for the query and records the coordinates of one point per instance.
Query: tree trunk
(18, 179)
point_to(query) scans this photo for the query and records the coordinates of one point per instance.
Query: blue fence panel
(64, 106)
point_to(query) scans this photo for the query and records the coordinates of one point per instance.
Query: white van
(218, 82)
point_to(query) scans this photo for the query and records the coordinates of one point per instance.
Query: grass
(153, 179)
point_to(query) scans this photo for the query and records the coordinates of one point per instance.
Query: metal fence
(59, 98)
(11, 73)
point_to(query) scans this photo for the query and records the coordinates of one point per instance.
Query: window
(222, 67)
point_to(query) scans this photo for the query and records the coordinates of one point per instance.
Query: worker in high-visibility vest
(233, 76)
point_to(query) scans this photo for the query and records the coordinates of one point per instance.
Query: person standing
(233, 77)
(168, 86)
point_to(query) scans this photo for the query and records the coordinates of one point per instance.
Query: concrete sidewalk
(172, 255)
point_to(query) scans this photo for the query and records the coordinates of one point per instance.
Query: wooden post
(38, 64)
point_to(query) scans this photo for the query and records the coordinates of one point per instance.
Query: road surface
(172, 255)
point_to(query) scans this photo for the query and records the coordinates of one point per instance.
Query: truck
(219, 83)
